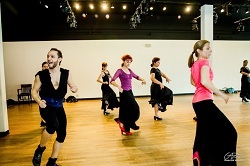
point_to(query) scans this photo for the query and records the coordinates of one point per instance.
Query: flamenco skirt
(161, 97)
(109, 98)
(129, 111)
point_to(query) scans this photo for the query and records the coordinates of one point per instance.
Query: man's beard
(54, 65)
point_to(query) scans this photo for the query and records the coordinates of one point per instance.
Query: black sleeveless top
(52, 96)
(106, 76)
(157, 73)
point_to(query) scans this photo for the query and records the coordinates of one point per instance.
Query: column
(4, 125)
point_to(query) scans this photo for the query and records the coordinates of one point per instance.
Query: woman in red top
(216, 137)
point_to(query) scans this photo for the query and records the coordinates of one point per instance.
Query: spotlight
(194, 25)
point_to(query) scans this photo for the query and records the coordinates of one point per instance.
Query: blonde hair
(198, 45)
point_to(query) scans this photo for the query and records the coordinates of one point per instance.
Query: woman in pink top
(129, 111)
(216, 138)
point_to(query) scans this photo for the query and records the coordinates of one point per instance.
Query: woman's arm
(99, 79)
(165, 76)
(112, 82)
(205, 81)
(137, 77)
(142, 80)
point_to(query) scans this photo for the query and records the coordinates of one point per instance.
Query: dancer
(44, 67)
(245, 82)
(49, 90)
(129, 111)
(109, 99)
(161, 96)
(216, 137)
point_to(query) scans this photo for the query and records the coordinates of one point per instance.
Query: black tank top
(106, 76)
(48, 92)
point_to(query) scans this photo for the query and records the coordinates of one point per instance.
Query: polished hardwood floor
(95, 140)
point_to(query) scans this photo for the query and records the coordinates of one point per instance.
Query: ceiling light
(112, 6)
(77, 6)
(107, 16)
(91, 6)
(104, 6)
(188, 8)
(124, 7)
(151, 8)
(84, 15)
(164, 8)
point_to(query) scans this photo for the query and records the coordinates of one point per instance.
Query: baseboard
(3, 134)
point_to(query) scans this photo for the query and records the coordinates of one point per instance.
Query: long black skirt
(109, 98)
(160, 96)
(245, 87)
(216, 137)
(129, 111)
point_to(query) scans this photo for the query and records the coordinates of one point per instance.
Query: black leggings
(56, 121)
(216, 137)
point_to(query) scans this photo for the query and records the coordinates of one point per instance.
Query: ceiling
(30, 20)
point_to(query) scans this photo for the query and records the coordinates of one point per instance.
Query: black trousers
(216, 137)
(129, 111)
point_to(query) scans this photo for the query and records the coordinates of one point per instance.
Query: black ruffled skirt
(162, 97)
(109, 98)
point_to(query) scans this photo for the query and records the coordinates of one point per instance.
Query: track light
(132, 23)
(194, 25)
(215, 17)
(240, 27)
(71, 19)
(246, 11)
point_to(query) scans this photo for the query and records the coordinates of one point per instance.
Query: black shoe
(157, 118)
(135, 127)
(42, 124)
(38, 156)
(51, 162)
(105, 113)
(244, 99)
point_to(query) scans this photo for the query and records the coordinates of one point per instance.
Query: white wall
(83, 58)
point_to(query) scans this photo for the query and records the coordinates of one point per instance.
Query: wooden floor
(95, 140)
